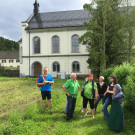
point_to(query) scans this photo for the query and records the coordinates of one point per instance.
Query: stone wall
(12, 73)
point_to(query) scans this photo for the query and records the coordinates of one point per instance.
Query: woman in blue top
(108, 96)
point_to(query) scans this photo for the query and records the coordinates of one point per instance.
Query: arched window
(55, 44)
(75, 67)
(75, 44)
(56, 67)
(36, 44)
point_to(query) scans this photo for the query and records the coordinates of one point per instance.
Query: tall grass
(30, 119)
(1, 128)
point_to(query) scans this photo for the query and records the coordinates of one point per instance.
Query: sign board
(63, 75)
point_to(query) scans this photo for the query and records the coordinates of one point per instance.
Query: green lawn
(21, 112)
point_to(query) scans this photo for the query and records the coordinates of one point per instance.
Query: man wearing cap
(71, 88)
(90, 94)
(116, 118)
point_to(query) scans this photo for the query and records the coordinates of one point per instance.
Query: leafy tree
(104, 36)
(129, 30)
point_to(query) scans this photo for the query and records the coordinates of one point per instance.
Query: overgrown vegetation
(23, 113)
(126, 78)
(12, 68)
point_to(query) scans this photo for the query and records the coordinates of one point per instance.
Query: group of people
(92, 92)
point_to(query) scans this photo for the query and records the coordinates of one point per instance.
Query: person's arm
(51, 82)
(64, 88)
(78, 86)
(106, 90)
(117, 96)
(96, 94)
(43, 83)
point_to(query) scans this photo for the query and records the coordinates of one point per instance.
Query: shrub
(122, 72)
(107, 73)
(129, 91)
(126, 78)
(2, 73)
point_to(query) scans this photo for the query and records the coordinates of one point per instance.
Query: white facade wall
(65, 58)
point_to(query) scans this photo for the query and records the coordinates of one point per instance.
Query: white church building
(50, 40)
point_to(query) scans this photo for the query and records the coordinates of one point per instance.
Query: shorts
(85, 102)
(46, 94)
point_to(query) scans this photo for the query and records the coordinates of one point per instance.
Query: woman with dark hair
(108, 95)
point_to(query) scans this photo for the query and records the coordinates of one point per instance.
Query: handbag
(82, 92)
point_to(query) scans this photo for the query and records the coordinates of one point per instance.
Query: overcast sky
(13, 12)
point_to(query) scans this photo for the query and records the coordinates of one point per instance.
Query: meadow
(21, 112)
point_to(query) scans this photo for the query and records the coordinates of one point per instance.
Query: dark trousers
(70, 107)
(98, 99)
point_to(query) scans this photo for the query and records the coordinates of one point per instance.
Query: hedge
(126, 78)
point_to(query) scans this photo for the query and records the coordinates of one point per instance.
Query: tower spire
(36, 7)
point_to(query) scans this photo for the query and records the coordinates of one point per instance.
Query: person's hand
(104, 93)
(45, 82)
(49, 82)
(68, 94)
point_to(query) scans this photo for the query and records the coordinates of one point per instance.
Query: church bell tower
(36, 8)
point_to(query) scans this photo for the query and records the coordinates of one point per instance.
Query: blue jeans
(65, 109)
(108, 102)
(98, 99)
(70, 107)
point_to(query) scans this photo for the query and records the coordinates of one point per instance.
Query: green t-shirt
(72, 87)
(88, 90)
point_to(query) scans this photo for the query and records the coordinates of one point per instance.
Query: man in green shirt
(90, 94)
(71, 88)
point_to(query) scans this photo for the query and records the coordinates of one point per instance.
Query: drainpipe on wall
(29, 53)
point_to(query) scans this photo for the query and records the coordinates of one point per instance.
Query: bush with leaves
(107, 73)
(126, 78)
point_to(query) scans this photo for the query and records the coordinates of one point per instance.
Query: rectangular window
(11, 61)
(3, 61)
(17, 61)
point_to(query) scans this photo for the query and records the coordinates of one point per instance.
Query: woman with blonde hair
(102, 87)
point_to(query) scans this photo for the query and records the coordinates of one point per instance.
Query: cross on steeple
(36, 7)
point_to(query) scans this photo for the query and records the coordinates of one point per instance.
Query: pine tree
(104, 36)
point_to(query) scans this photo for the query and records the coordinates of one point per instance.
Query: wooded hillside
(8, 45)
